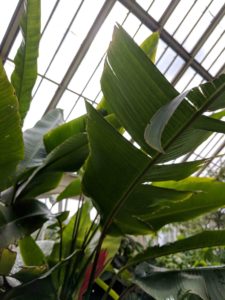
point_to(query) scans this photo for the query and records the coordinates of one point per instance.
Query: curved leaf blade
(68, 156)
(57, 136)
(206, 283)
(201, 240)
(25, 73)
(20, 220)
(35, 151)
(154, 130)
(135, 90)
(11, 150)
(149, 46)
(31, 253)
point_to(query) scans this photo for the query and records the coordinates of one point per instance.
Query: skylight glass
(66, 23)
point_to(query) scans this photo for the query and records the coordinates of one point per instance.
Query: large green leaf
(25, 73)
(201, 240)
(35, 151)
(162, 284)
(21, 219)
(58, 135)
(119, 183)
(162, 172)
(113, 177)
(135, 90)
(201, 202)
(11, 150)
(40, 184)
(68, 156)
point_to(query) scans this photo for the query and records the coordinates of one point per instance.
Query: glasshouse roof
(75, 36)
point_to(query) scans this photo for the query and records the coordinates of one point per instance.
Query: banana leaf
(11, 150)
(199, 283)
(135, 90)
(116, 171)
(25, 72)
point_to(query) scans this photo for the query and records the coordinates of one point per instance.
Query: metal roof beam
(168, 12)
(200, 43)
(105, 10)
(153, 25)
(12, 31)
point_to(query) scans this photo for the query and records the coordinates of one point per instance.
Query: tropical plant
(134, 185)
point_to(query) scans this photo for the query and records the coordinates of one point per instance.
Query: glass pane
(6, 13)
(40, 103)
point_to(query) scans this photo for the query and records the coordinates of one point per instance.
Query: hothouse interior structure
(112, 157)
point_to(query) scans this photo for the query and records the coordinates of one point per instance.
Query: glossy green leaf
(68, 156)
(30, 252)
(128, 166)
(21, 219)
(201, 240)
(11, 150)
(25, 73)
(35, 151)
(199, 203)
(129, 82)
(206, 283)
(57, 136)
(149, 46)
(73, 189)
(210, 124)
(172, 171)
(7, 260)
(135, 90)
(154, 130)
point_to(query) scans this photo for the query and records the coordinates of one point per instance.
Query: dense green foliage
(131, 188)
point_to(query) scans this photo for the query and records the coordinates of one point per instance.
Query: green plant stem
(73, 266)
(70, 267)
(61, 239)
(105, 286)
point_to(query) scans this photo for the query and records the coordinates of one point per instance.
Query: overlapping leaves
(116, 171)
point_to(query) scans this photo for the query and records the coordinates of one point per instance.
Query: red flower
(99, 268)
